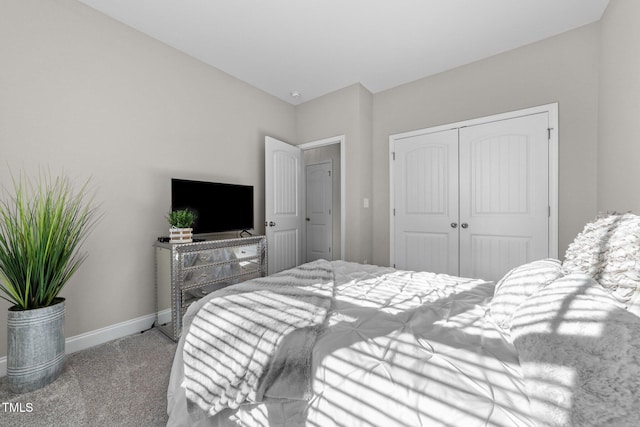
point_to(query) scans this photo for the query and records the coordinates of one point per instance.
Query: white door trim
(551, 109)
(343, 162)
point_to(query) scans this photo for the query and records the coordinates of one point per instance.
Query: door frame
(551, 109)
(340, 139)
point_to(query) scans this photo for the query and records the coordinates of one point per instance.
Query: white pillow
(608, 250)
(621, 272)
(579, 352)
(520, 283)
(634, 304)
(586, 254)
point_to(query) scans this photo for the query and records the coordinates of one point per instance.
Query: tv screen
(218, 207)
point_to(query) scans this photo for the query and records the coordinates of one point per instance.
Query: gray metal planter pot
(35, 347)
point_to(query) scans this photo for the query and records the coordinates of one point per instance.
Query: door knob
(464, 225)
(454, 225)
(308, 219)
(272, 224)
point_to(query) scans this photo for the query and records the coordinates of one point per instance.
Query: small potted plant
(181, 221)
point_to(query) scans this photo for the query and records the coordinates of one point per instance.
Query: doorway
(319, 211)
(323, 152)
(285, 199)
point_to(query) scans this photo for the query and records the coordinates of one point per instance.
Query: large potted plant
(181, 221)
(43, 225)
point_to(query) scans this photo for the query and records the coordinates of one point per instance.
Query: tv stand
(185, 272)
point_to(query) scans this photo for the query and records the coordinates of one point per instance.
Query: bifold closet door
(472, 201)
(504, 195)
(426, 202)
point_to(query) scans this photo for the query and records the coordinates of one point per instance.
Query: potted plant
(181, 221)
(43, 225)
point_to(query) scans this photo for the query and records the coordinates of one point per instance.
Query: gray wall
(619, 131)
(83, 93)
(561, 69)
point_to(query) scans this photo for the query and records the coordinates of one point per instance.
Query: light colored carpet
(120, 383)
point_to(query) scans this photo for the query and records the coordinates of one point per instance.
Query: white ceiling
(318, 46)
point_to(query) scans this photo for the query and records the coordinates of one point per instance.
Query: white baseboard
(164, 316)
(99, 336)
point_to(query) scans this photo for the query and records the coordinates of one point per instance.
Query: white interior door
(283, 204)
(425, 188)
(504, 195)
(319, 211)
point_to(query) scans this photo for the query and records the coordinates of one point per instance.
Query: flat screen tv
(218, 207)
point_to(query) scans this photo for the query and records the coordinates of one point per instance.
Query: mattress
(399, 348)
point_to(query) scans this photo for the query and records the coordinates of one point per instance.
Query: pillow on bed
(608, 250)
(621, 272)
(520, 283)
(634, 304)
(579, 351)
(586, 254)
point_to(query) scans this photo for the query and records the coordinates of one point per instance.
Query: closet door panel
(504, 195)
(426, 202)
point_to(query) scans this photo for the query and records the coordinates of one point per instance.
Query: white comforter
(400, 349)
(232, 348)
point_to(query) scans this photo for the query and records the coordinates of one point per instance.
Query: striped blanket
(233, 349)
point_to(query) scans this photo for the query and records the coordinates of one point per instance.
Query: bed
(338, 343)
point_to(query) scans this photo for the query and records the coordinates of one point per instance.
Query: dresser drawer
(218, 256)
(206, 274)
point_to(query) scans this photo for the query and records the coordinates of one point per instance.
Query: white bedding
(240, 358)
(579, 352)
(400, 349)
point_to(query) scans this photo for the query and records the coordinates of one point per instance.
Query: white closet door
(426, 202)
(504, 195)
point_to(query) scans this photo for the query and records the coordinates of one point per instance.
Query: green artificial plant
(42, 228)
(182, 218)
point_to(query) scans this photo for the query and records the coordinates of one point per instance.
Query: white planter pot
(181, 235)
